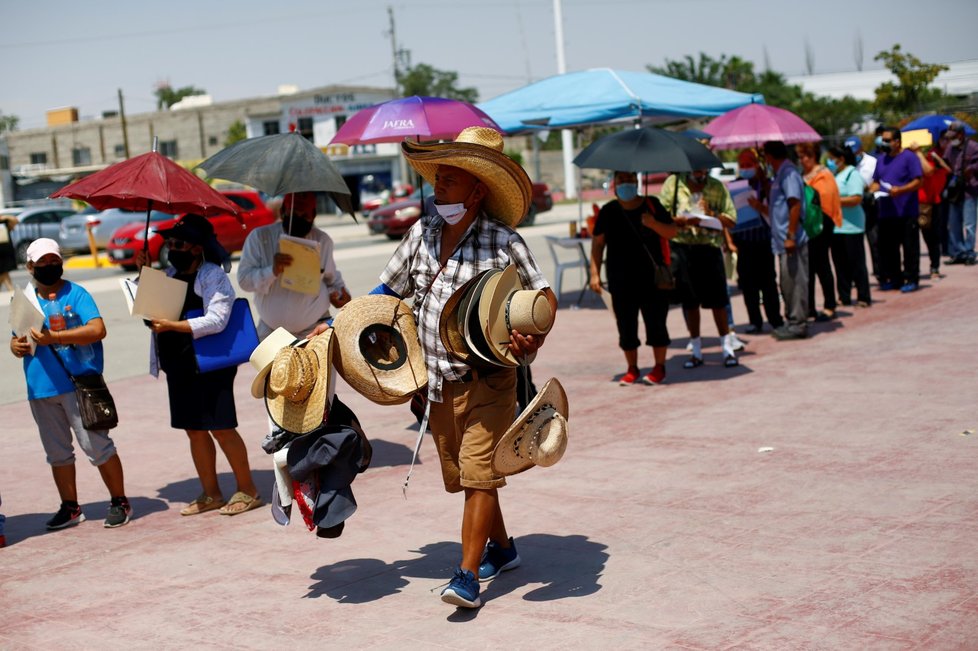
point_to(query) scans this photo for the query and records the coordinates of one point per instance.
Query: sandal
(730, 361)
(201, 504)
(693, 362)
(240, 498)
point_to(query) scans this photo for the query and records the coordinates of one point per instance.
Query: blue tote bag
(230, 347)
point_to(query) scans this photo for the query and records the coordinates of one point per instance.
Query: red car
(231, 231)
(395, 219)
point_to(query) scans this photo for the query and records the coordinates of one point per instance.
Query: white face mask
(955, 143)
(451, 212)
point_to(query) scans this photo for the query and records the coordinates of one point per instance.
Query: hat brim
(490, 309)
(305, 416)
(506, 457)
(510, 189)
(473, 329)
(262, 357)
(449, 325)
(403, 377)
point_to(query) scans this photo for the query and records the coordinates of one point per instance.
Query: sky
(57, 53)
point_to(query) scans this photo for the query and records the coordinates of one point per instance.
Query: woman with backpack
(822, 181)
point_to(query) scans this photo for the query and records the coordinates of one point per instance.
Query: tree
(236, 132)
(826, 115)
(167, 96)
(912, 93)
(424, 79)
(8, 122)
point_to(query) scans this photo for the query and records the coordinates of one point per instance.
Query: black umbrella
(647, 149)
(278, 164)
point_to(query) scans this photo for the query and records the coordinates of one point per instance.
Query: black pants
(654, 306)
(820, 266)
(897, 233)
(756, 278)
(872, 232)
(932, 233)
(849, 257)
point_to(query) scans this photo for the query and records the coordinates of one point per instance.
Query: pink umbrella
(754, 124)
(430, 118)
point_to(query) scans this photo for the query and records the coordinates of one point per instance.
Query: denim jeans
(961, 218)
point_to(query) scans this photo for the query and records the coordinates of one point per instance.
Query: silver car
(74, 235)
(36, 222)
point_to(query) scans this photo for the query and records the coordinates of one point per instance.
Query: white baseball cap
(42, 247)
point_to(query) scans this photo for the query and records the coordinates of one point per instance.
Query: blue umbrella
(935, 124)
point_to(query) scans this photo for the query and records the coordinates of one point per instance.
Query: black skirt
(202, 401)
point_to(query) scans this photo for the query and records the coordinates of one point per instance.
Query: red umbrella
(148, 182)
(754, 124)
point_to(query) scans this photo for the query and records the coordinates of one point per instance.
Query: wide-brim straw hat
(300, 384)
(505, 306)
(264, 354)
(479, 151)
(378, 351)
(538, 437)
(472, 328)
(450, 325)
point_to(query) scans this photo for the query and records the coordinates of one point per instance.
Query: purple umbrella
(429, 118)
(754, 124)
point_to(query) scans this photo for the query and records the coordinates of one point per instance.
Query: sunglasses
(178, 245)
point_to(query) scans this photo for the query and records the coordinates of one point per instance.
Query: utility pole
(394, 57)
(566, 135)
(122, 119)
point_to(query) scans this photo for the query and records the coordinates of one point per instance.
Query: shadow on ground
(28, 525)
(561, 567)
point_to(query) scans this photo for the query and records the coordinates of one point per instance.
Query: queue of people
(819, 216)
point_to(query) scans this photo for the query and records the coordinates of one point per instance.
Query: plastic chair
(560, 266)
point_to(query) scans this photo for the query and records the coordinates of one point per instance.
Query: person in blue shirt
(788, 239)
(50, 391)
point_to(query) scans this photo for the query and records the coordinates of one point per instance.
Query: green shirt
(717, 199)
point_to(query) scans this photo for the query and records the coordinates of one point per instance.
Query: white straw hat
(263, 356)
(539, 434)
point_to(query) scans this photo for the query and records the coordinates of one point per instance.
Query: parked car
(395, 219)
(231, 231)
(74, 229)
(36, 222)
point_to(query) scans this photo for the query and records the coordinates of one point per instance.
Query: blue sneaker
(463, 591)
(887, 287)
(498, 559)
(909, 287)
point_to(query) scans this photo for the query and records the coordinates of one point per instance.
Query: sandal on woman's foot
(202, 504)
(234, 505)
(693, 362)
(730, 361)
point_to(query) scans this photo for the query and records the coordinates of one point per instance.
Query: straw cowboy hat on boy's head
(263, 356)
(300, 384)
(505, 306)
(378, 351)
(478, 151)
(538, 437)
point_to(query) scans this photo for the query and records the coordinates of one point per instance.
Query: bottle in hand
(56, 318)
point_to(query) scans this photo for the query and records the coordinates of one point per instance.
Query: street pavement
(819, 496)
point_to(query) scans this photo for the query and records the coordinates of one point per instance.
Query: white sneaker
(735, 343)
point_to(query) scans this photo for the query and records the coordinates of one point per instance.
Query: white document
(705, 221)
(24, 315)
(606, 298)
(129, 290)
(304, 275)
(742, 199)
(879, 194)
(159, 296)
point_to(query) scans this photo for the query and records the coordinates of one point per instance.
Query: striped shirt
(414, 270)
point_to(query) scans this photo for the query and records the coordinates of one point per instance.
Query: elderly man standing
(262, 265)
(961, 155)
(480, 196)
(697, 254)
(788, 239)
(896, 181)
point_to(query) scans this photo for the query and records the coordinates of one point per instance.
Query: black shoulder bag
(94, 400)
(662, 274)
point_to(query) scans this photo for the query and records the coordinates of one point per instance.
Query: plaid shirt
(414, 270)
(717, 198)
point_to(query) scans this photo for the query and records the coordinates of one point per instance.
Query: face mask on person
(453, 213)
(49, 274)
(747, 172)
(296, 226)
(956, 142)
(879, 141)
(181, 260)
(697, 178)
(886, 147)
(832, 165)
(626, 191)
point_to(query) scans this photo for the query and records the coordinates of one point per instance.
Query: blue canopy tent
(604, 95)
(935, 124)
